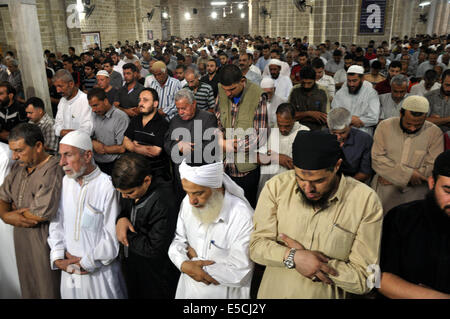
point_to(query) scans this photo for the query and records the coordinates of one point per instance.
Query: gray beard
(77, 174)
(209, 213)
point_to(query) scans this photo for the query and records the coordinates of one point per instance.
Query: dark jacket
(148, 271)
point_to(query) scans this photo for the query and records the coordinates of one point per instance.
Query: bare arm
(392, 286)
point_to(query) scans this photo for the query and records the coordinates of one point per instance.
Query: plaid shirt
(253, 141)
(46, 124)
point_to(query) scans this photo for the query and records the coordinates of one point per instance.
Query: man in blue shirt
(355, 144)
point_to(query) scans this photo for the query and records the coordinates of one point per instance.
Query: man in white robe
(283, 83)
(276, 156)
(211, 244)
(9, 277)
(82, 237)
(273, 100)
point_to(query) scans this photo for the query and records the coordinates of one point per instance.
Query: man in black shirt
(11, 111)
(145, 133)
(127, 99)
(415, 247)
(212, 76)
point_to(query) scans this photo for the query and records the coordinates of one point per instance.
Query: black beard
(275, 77)
(5, 102)
(431, 197)
(405, 130)
(307, 90)
(323, 201)
(356, 90)
(446, 93)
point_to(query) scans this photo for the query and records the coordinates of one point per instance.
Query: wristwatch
(289, 262)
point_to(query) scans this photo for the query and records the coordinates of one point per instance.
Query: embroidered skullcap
(416, 103)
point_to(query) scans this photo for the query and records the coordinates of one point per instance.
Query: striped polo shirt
(204, 96)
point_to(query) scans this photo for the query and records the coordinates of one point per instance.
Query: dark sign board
(372, 17)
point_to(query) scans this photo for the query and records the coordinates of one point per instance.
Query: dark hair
(276, 51)
(72, 48)
(317, 63)
(153, 92)
(31, 133)
(230, 74)
(395, 64)
(108, 60)
(337, 52)
(98, 93)
(90, 65)
(9, 88)
(36, 102)
(376, 65)
(266, 47)
(430, 75)
(49, 73)
(68, 60)
(348, 57)
(302, 53)
(130, 171)
(181, 66)
(212, 60)
(307, 72)
(286, 108)
(445, 74)
(130, 66)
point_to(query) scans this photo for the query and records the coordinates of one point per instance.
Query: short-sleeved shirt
(152, 134)
(415, 244)
(357, 150)
(89, 83)
(439, 106)
(317, 101)
(109, 130)
(214, 82)
(204, 96)
(129, 98)
(111, 95)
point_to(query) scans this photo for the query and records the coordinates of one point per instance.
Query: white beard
(209, 213)
(77, 174)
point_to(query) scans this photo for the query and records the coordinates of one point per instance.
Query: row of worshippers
(318, 233)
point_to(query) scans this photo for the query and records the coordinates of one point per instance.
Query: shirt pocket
(92, 219)
(339, 243)
(217, 252)
(416, 159)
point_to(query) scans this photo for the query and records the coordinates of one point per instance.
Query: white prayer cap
(210, 175)
(103, 72)
(433, 47)
(267, 83)
(355, 69)
(416, 103)
(213, 176)
(78, 139)
(275, 62)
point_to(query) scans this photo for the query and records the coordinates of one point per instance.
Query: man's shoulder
(282, 182)
(361, 136)
(407, 213)
(433, 94)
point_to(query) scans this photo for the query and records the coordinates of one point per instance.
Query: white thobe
(283, 86)
(419, 89)
(74, 114)
(285, 70)
(282, 145)
(118, 67)
(9, 278)
(272, 106)
(365, 105)
(225, 241)
(328, 82)
(85, 226)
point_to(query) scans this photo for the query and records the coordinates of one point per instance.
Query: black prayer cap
(442, 164)
(314, 150)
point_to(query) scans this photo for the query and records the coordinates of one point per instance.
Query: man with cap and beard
(316, 230)
(415, 258)
(212, 236)
(273, 100)
(359, 97)
(403, 153)
(82, 236)
(283, 83)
